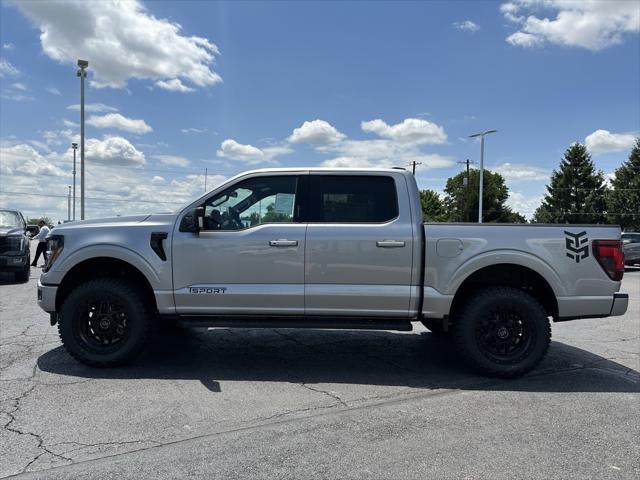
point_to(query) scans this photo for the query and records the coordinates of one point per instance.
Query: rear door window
(352, 199)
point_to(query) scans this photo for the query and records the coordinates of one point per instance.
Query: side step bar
(353, 323)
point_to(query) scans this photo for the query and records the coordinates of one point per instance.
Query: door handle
(389, 244)
(283, 243)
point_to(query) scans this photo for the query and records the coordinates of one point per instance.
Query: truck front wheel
(502, 331)
(104, 323)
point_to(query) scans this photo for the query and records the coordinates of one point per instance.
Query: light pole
(69, 205)
(74, 146)
(82, 73)
(481, 135)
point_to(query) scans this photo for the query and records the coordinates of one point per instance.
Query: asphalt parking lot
(316, 404)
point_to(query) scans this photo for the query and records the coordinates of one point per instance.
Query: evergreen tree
(577, 192)
(433, 209)
(624, 199)
(462, 201)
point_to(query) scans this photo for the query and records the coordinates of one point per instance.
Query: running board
(332, 323)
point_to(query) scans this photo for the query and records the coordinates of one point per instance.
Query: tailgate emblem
(577, 245)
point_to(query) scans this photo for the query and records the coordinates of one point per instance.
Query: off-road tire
(23, 275)
(502, 311)
(76, 336)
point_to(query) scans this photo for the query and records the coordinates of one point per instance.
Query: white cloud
(53, 91)
(193, 130)
(22, 159)
(348, 162)
(237, 151)
(467, 25)
(61, 137)
(8, 46)
(317, 132)
(122, 40)
(172, 160)
(593, 24)
(381, 153)
(424, 161)
(410, 130)
(93, 108)
(40, 145)
(398, 146)
(603, 141)
(37, 184)
(115, 120)
(7, 69)
(69, 123)
(15, 96)
(524, 39)
(113, 151)
(19, 86)
(174, 85)
(523, 204)
(250, 154)
(521, 172)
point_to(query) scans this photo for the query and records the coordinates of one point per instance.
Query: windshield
(10, 219)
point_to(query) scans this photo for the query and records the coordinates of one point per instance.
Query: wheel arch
(508, 275)
(103, 266)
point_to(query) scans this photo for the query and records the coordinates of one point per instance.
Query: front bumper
(13, 263)
(47, 297)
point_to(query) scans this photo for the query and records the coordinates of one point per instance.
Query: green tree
(577, 192)
(433, 209)
(271, 216)
(462, 202)
(34, 221)
(624, 199)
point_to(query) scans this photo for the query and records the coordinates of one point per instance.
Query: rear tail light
(610, 257)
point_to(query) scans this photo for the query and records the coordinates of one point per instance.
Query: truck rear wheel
(502, 332)
(104, 323)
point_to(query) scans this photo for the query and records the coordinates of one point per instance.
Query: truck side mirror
(32, 229)
(193, 220)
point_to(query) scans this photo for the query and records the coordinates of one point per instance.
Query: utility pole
(74, 146)
(205, 180)
(481, 135)
(82, 73)
(413, 164)
(69, 205)
(466, 183)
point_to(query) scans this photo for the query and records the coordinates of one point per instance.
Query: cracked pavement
(316, 404)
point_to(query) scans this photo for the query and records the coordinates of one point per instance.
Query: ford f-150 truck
(319, 248)
(14, 244)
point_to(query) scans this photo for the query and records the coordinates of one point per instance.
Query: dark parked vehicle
(631, 247)
(14, 244)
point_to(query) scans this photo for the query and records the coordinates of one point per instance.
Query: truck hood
(100, 222)
(127, 221)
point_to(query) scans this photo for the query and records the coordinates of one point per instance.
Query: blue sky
(183, 86)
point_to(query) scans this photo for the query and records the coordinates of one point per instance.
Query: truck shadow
(344, 357)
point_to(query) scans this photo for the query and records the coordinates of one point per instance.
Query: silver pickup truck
(319, 248)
